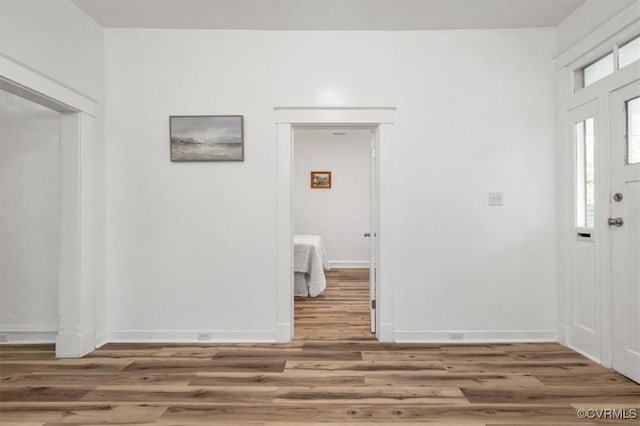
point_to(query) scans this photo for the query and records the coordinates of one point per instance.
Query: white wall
(60, 42)
(340, 215)
(193, 245)
(29, 218)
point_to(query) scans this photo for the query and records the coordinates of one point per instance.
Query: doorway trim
(76, 332)
(288, 117)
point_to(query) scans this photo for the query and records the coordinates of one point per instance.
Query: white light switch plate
(495, 199)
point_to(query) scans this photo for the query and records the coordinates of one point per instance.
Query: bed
(309, 263)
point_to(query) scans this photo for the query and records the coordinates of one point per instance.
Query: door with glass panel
(624, 224)
(584, 330)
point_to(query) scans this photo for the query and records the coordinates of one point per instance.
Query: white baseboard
(385, 334)
(102, 339)
(283, 332)
(584, 354)
(192, 336)
(562, 333)
(474, 336)
(21, 336)
(339, 264)
(74, 345)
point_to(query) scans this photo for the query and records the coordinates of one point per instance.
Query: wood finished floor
(334, 372)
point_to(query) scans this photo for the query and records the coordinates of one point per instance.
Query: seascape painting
(207, 138)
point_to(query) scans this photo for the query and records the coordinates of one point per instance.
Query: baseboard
(21, 336)
(102, 339)
(283, 332)
(474, 336)
(74, 345)
(385, 334)
(584, 354)
(562, 333)
(340, 264)
(192, 336)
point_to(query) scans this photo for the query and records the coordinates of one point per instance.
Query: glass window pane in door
(585, 173)
(629, 53)
(633, 131)
(598, 70)
(590, 173)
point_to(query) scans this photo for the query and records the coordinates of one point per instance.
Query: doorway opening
(29, 220)
(334, 215)
(75, 335)
(382, 119)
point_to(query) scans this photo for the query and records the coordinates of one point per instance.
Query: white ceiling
(328, 14)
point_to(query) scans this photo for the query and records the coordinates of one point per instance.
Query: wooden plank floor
(341, 312)
(334, 372)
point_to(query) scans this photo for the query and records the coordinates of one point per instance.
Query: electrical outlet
(204, 335)
(495, 199)
(456, 336)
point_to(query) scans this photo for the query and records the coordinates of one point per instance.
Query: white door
(583, 331)
(625, 230)
(373, 231)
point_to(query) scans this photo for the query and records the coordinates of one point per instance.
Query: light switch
(495, 199)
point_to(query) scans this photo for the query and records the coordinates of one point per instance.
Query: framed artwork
(321, 180)
(206, 137)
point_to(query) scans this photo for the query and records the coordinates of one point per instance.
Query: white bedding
(309, 263)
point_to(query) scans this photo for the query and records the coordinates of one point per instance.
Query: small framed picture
(321, 180)
(206, 137)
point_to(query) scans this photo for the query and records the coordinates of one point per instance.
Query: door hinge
(373, 304)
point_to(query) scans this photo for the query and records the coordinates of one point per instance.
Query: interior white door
(625, 229)
(373, 231)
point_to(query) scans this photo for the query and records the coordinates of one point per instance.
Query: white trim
(24, 81)
(562, 330)
(102, 339)
(474, 336)
(76, 335)
(386, 243)
(334, 115)
(325, 108)
(385, 332)
(75, 273)
(191, 336)
(11, 334)
(608, 84)
(339, 264)
(617, 30)
(74, 345)
(288, 117)
(284, 306)
(28, 328)
(283, 332)
(586, 355)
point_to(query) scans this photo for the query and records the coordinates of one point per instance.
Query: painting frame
(183, 147)
(320, 179)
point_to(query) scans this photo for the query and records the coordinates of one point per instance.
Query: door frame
(288, 117)
(76, 332)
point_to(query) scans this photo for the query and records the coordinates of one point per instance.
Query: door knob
(366, 234)
(615, 221)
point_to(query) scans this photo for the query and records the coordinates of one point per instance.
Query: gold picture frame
(321, 179)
